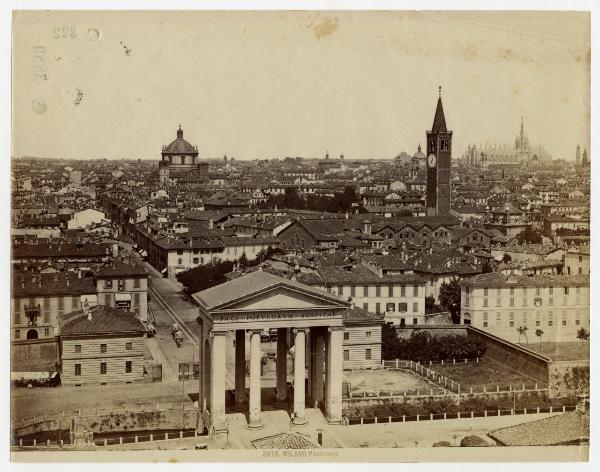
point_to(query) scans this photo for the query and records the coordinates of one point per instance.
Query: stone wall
(514, 356)
(36, 355)
(128, 421)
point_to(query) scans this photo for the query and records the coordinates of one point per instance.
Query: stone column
(334, 375)
(281, 369)
(217, 380)
(299, 376)
(318, 360)
(240, 369)
(255, 358)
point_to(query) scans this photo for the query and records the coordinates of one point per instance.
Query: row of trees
(582, 334)
(467, 403)
(422, 346)
(206, 276)
(340, 202)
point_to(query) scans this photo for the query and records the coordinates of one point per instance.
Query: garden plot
(384, 380)
(485, 373)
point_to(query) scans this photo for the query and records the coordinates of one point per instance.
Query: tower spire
(522, 132)
(439, 121)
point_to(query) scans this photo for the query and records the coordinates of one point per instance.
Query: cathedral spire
(522, 130)
(439, 121)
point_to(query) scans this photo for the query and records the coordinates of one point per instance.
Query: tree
(506, 258)
(529, 235)
(450, 298)
(582, 335)
(539, 333)
(522, 330)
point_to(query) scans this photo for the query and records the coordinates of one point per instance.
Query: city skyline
(343, 100)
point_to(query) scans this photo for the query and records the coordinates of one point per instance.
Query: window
(352, 290)
(378, 290)
(108, 283)
(195, 260)
(577, 322)
(128, 346)
(402, 291)
(368, 334)
(564, 318)
(108, 299)
(346, 336)
(180, 252)
(61, 303)
(46, 303)
(346, 355)
(121, 285)
(179, 261)
(498, 319)
(377, 308)
(551, 301)
(415, 321)
(17, 304)
(537, 319)
(485, 291)
(368, 354)
(17, 318)
(550, 290)
(17, 334)
(128, 365)
(511, 319)
(136, 299)
(537, 291)
(46, 332)
(415, 307)
(103, 348)
(137, 283)
(77, 348)
(366, 306)
(391, 291)
(74, 303)
(485, 302)
(550, 316)
(580, 258)
(77, 369)
(102, 368)
(579, 271)
(390, 307)
(524, 318)
(416, 291)
(402, 307)
(566, 290)
(577, 290)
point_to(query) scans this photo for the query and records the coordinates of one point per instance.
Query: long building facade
(559, 305)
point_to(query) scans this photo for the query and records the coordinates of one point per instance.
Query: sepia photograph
(299, 235)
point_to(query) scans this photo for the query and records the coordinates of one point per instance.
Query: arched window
(32, 334)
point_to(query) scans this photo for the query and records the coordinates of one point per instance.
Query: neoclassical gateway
(311, 319)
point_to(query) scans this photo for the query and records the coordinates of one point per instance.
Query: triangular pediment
(283, 298)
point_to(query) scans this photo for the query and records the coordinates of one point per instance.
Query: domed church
(178, 162)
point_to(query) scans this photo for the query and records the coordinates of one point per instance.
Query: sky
(275, 84)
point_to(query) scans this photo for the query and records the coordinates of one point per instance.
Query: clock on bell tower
(439, 154)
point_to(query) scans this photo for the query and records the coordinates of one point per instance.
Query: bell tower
(439, 154)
